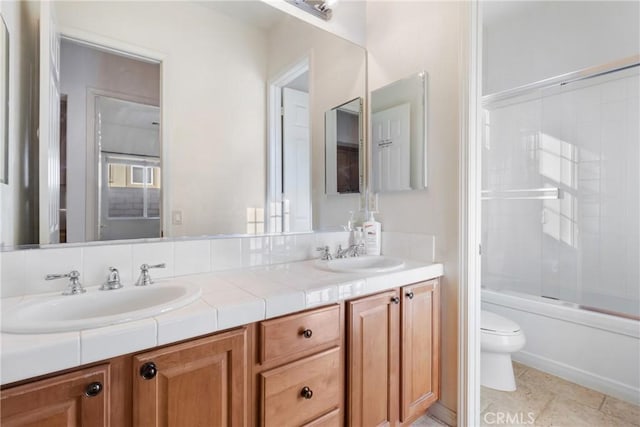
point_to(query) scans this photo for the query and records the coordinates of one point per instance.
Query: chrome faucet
(351, 251)
(74, 288)
(113, 280)
(145, 277)
(325, 254)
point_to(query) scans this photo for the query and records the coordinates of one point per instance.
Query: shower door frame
(470, 162)
(470, 227)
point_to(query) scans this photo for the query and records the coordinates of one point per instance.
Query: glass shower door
(561, 183)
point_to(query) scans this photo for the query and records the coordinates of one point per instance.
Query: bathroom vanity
(369, 355)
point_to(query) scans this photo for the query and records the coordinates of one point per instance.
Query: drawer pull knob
(93, 389)
(410, 294)
(395, 300)
(306, 392)
(148, 371)
(307, 333)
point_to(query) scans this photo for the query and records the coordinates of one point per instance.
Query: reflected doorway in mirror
(289, 183)
(399, 135)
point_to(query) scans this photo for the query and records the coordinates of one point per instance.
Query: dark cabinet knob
(306, 392)
(93, 389)
(410, 294)
(395, 300)
(307, 333)
(148, 371)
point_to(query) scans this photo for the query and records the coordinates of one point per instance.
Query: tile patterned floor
(545, 400)
(551, 401)
(428, 421)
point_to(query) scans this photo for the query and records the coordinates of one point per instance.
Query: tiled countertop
(229, 299)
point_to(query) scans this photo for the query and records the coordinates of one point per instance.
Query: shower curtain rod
(564, 79)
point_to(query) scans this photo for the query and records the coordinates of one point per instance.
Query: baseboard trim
(444, 414)
(579, 376)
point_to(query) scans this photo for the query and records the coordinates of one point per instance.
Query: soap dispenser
(372, 235)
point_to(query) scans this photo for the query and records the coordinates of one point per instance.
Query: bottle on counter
(372, 235)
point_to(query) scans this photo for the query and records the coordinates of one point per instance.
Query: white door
(296, 168)
(391, 148)
(49, 127)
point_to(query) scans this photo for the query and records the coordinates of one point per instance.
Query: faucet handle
(326, 254)
(75, 287)
(147, 266)
(145, 277)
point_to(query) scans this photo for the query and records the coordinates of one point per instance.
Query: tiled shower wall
(583, 247)
(22, 272)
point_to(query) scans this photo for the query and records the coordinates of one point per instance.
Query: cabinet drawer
(332, 419)
(302, 391)
(299, 332)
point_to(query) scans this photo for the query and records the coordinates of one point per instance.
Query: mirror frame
(4, 103)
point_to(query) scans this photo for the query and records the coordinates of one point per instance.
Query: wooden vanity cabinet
(419, 349)
(78, 398)
(298, 374)
(197, 383)
(393, 355)
(372, 359)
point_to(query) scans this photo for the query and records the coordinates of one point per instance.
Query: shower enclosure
(561, 190)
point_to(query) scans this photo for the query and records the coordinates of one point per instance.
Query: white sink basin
(362, 264)
(95, 308)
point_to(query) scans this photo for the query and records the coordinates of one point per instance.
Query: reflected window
(133, 191)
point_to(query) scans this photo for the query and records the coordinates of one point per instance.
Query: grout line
(604, 397)
(545, 407)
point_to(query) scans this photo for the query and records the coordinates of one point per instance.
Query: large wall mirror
(4, 102)
(399, 135)
(192, 119)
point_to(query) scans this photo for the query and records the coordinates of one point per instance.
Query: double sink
(93, 309)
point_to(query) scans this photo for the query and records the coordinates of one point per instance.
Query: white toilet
(499, 338)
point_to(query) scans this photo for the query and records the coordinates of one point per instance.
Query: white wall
(527, 41)
(404, 38)
(337, 75)
(83, 68)
(203, 108)
(16, 206)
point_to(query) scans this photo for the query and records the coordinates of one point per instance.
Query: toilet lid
(492, 322)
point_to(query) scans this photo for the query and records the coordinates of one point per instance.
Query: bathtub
(596, 350)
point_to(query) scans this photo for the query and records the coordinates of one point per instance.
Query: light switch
(176, 217)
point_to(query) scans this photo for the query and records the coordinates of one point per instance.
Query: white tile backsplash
(39, 263)
(96, 261)
(12, 273)
(193, 256)
(226, 254)
(154, 253)
(22, 272)
(256, 251)
(411, 246)
(283, 249)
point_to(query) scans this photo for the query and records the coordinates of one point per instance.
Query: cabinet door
(420, 348)
(79, 398)
(372, 346)
(197, 383)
